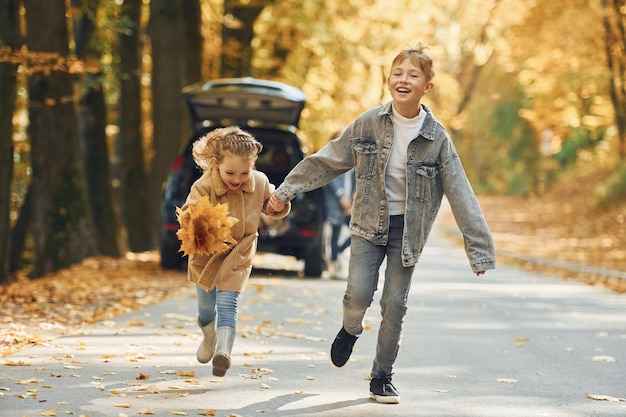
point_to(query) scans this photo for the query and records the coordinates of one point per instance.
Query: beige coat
(230, 270)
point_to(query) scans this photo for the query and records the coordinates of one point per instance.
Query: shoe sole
(335, 367)
(221, 364)
(384, 400)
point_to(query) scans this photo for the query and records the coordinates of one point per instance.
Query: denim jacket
(433, 169)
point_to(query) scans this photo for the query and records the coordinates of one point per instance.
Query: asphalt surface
(507, 344)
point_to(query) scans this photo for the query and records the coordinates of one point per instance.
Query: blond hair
(226, 140)
(419, 57)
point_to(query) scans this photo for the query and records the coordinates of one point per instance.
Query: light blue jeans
(223, 304)
(365, 261)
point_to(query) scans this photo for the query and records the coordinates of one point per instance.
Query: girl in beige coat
(227, 157)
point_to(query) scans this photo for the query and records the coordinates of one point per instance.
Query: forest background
(91, 116)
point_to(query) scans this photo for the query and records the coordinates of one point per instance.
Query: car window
(274, 158)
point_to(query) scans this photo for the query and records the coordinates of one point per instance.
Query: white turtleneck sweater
(404, 131)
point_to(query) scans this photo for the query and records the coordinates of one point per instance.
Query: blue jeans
(365, 261)
(223, 304)
(335, 247)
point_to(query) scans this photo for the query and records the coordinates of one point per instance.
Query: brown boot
(221, 359)
(207, 346)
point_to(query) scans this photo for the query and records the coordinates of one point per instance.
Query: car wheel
(170, 258)
(314, 259)
(313, 266)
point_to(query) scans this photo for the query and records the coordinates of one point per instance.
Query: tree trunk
(62, 230)
(20, 232)
(168, 107)
(138, 215)
(192, 48)
(615, 43)
(237, 35)
(92, 123)
(10, 37)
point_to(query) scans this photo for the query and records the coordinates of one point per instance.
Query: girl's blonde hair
(226, 140)
(419, 57)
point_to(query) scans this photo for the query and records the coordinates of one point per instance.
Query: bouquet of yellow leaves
(205, 228)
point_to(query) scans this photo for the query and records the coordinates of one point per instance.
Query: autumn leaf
(191, 381)
(605, 398)
(508, 380)
(520, 341)
(18, 363)
(29, 381)
(603, 358)
(204, 228)
(152, 389)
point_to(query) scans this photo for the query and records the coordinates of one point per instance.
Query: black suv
(270, 111)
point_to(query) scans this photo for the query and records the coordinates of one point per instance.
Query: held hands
(276, 203)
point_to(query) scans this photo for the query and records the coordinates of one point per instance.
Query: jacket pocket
(244, 252)
(425, 180)
(366, 156)
(195, 269)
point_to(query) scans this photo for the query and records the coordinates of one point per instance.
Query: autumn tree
(130, 149)
(92, 120)
(237, 35)
(615, 46)
(174, 58)
(62, 230)
(9, 43)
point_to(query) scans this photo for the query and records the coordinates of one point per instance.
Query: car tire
(314, 259)
(170, 258)
(313, 266)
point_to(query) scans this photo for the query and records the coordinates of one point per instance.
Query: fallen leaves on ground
(559, 229)
(98, 289)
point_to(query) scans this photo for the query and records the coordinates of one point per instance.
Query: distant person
(404, 162)
(227, 157)
(338, 195)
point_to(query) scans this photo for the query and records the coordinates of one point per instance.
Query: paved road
(509, 344)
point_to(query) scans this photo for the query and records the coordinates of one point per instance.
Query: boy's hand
(276, 203)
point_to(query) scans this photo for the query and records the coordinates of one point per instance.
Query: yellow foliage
(205, 228)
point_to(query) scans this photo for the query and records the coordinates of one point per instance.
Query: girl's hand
(276, 203)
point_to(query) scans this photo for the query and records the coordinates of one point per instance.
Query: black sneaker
(383, 391)
(341, 349)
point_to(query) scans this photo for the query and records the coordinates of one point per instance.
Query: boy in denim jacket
(404, 162)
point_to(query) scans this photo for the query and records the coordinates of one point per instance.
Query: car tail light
(170, 227)
(308, 233)
(178, 163)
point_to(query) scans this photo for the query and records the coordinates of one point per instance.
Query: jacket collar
(430, 123)
(221, 188)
